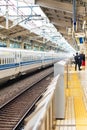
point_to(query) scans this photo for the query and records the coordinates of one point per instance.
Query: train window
(2, 61)
(22, 59)
(12, 60)
(7, 60)
(31, 57)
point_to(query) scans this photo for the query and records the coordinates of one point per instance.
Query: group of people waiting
(79, 60)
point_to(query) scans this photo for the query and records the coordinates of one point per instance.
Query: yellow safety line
(76, 91)
(75, 112)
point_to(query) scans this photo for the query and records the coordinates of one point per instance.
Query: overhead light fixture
(84, 23)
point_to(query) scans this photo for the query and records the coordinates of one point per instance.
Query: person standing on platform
(77, 61)
(83, 60)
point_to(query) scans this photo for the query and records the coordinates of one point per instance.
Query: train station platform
(76, 101)
(64, 103)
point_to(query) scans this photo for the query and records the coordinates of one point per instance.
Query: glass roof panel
(30, 16)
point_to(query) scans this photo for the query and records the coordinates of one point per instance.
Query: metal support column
(6, 14)
(74, 15)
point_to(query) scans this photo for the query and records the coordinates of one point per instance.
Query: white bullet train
(14, 62)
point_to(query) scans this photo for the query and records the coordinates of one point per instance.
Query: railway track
(15, 110)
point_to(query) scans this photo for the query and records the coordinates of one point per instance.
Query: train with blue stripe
(14, 62)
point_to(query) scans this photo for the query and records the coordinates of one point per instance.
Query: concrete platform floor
(76, 101)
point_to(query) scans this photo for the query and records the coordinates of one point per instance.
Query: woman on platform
(83, 61)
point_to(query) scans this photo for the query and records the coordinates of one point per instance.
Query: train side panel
(47, 59)
(30, 60)
(7, 64)
(15, 62)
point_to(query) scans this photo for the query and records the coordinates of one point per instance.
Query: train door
(17, 62)
(43, 59)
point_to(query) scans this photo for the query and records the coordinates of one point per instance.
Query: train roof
(24, 50)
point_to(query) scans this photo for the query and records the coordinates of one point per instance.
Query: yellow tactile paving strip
(76, 112)
(80, 110)
(76, 91)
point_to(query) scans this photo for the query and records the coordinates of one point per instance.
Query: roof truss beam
(61, 23)
(63, 6)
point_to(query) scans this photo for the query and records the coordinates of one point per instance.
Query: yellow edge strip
(75, 90)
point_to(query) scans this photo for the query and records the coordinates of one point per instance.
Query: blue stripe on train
(13, 65)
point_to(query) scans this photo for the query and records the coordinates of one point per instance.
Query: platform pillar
(59, 69)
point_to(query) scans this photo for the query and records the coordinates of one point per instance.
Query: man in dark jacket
(77, 61)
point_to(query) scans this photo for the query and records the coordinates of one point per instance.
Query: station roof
(42, 21)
